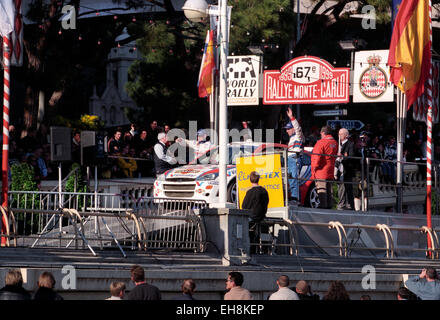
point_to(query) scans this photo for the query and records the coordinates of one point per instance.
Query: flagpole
(429, 139)
(5, 149)
(401, 119)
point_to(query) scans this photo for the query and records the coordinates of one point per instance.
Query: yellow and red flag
(207, 67)
(410, 48)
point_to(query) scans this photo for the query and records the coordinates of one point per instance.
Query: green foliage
(85, 122)
(23, 180)
(382, 8)
(23, 177)
(164, 82)
(76, 183)
(261, 22)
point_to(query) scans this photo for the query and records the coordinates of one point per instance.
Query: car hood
(192, 171)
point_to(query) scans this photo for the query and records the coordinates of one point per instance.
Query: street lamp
(195, 10)
(198, 10)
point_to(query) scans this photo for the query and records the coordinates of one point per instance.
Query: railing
(56, 219)
(377, 191)
(275, 240)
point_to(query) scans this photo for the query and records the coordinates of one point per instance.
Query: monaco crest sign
(306, 80)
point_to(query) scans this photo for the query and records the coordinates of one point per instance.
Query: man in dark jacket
(256, 200)
(13, 289)
(304, 291)
(345, 171)
(143, 290)
(188, 287)
(46, 285)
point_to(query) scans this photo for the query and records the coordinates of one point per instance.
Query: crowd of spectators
(131, 150)
(33, 149)
(425, 286)
(348, 163)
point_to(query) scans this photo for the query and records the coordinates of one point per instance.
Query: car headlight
(207, 177)
(161, 177)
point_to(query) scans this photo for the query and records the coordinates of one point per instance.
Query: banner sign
(306, 80)
(372, 77)
(271, 178)
(347, 124)
(243, 80)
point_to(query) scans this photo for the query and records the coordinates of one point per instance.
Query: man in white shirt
(200, 147)
(294, 161)
(283, 293)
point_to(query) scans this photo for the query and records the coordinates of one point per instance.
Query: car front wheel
(232, 192)
(312, 199)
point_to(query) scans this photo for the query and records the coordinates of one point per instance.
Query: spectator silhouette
(283, 293)
(45, 291)
(345, 171)
(13, 289)
(236, 292)
(127, 166)
(304, 291)
(336, 291)
(426, 286)
(115, 143)
(143, 290)
(117, 290)
(323, 165)
(404, 294)
(188, 287)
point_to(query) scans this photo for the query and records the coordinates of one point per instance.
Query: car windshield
(211, 157)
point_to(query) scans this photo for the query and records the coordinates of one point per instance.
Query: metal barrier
(275, 243)
(375, 189)
(56, 219)
(271, 239)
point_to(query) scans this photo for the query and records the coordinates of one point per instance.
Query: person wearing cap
(295, 148)
(162, 161)
(200, 147)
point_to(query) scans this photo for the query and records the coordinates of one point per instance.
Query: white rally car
(198, 180)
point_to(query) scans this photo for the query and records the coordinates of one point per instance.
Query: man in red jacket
(323, 163)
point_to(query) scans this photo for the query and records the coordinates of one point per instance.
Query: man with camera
(426, 286)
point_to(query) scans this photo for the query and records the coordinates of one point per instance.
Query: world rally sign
(347, 124)
(306, 80)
